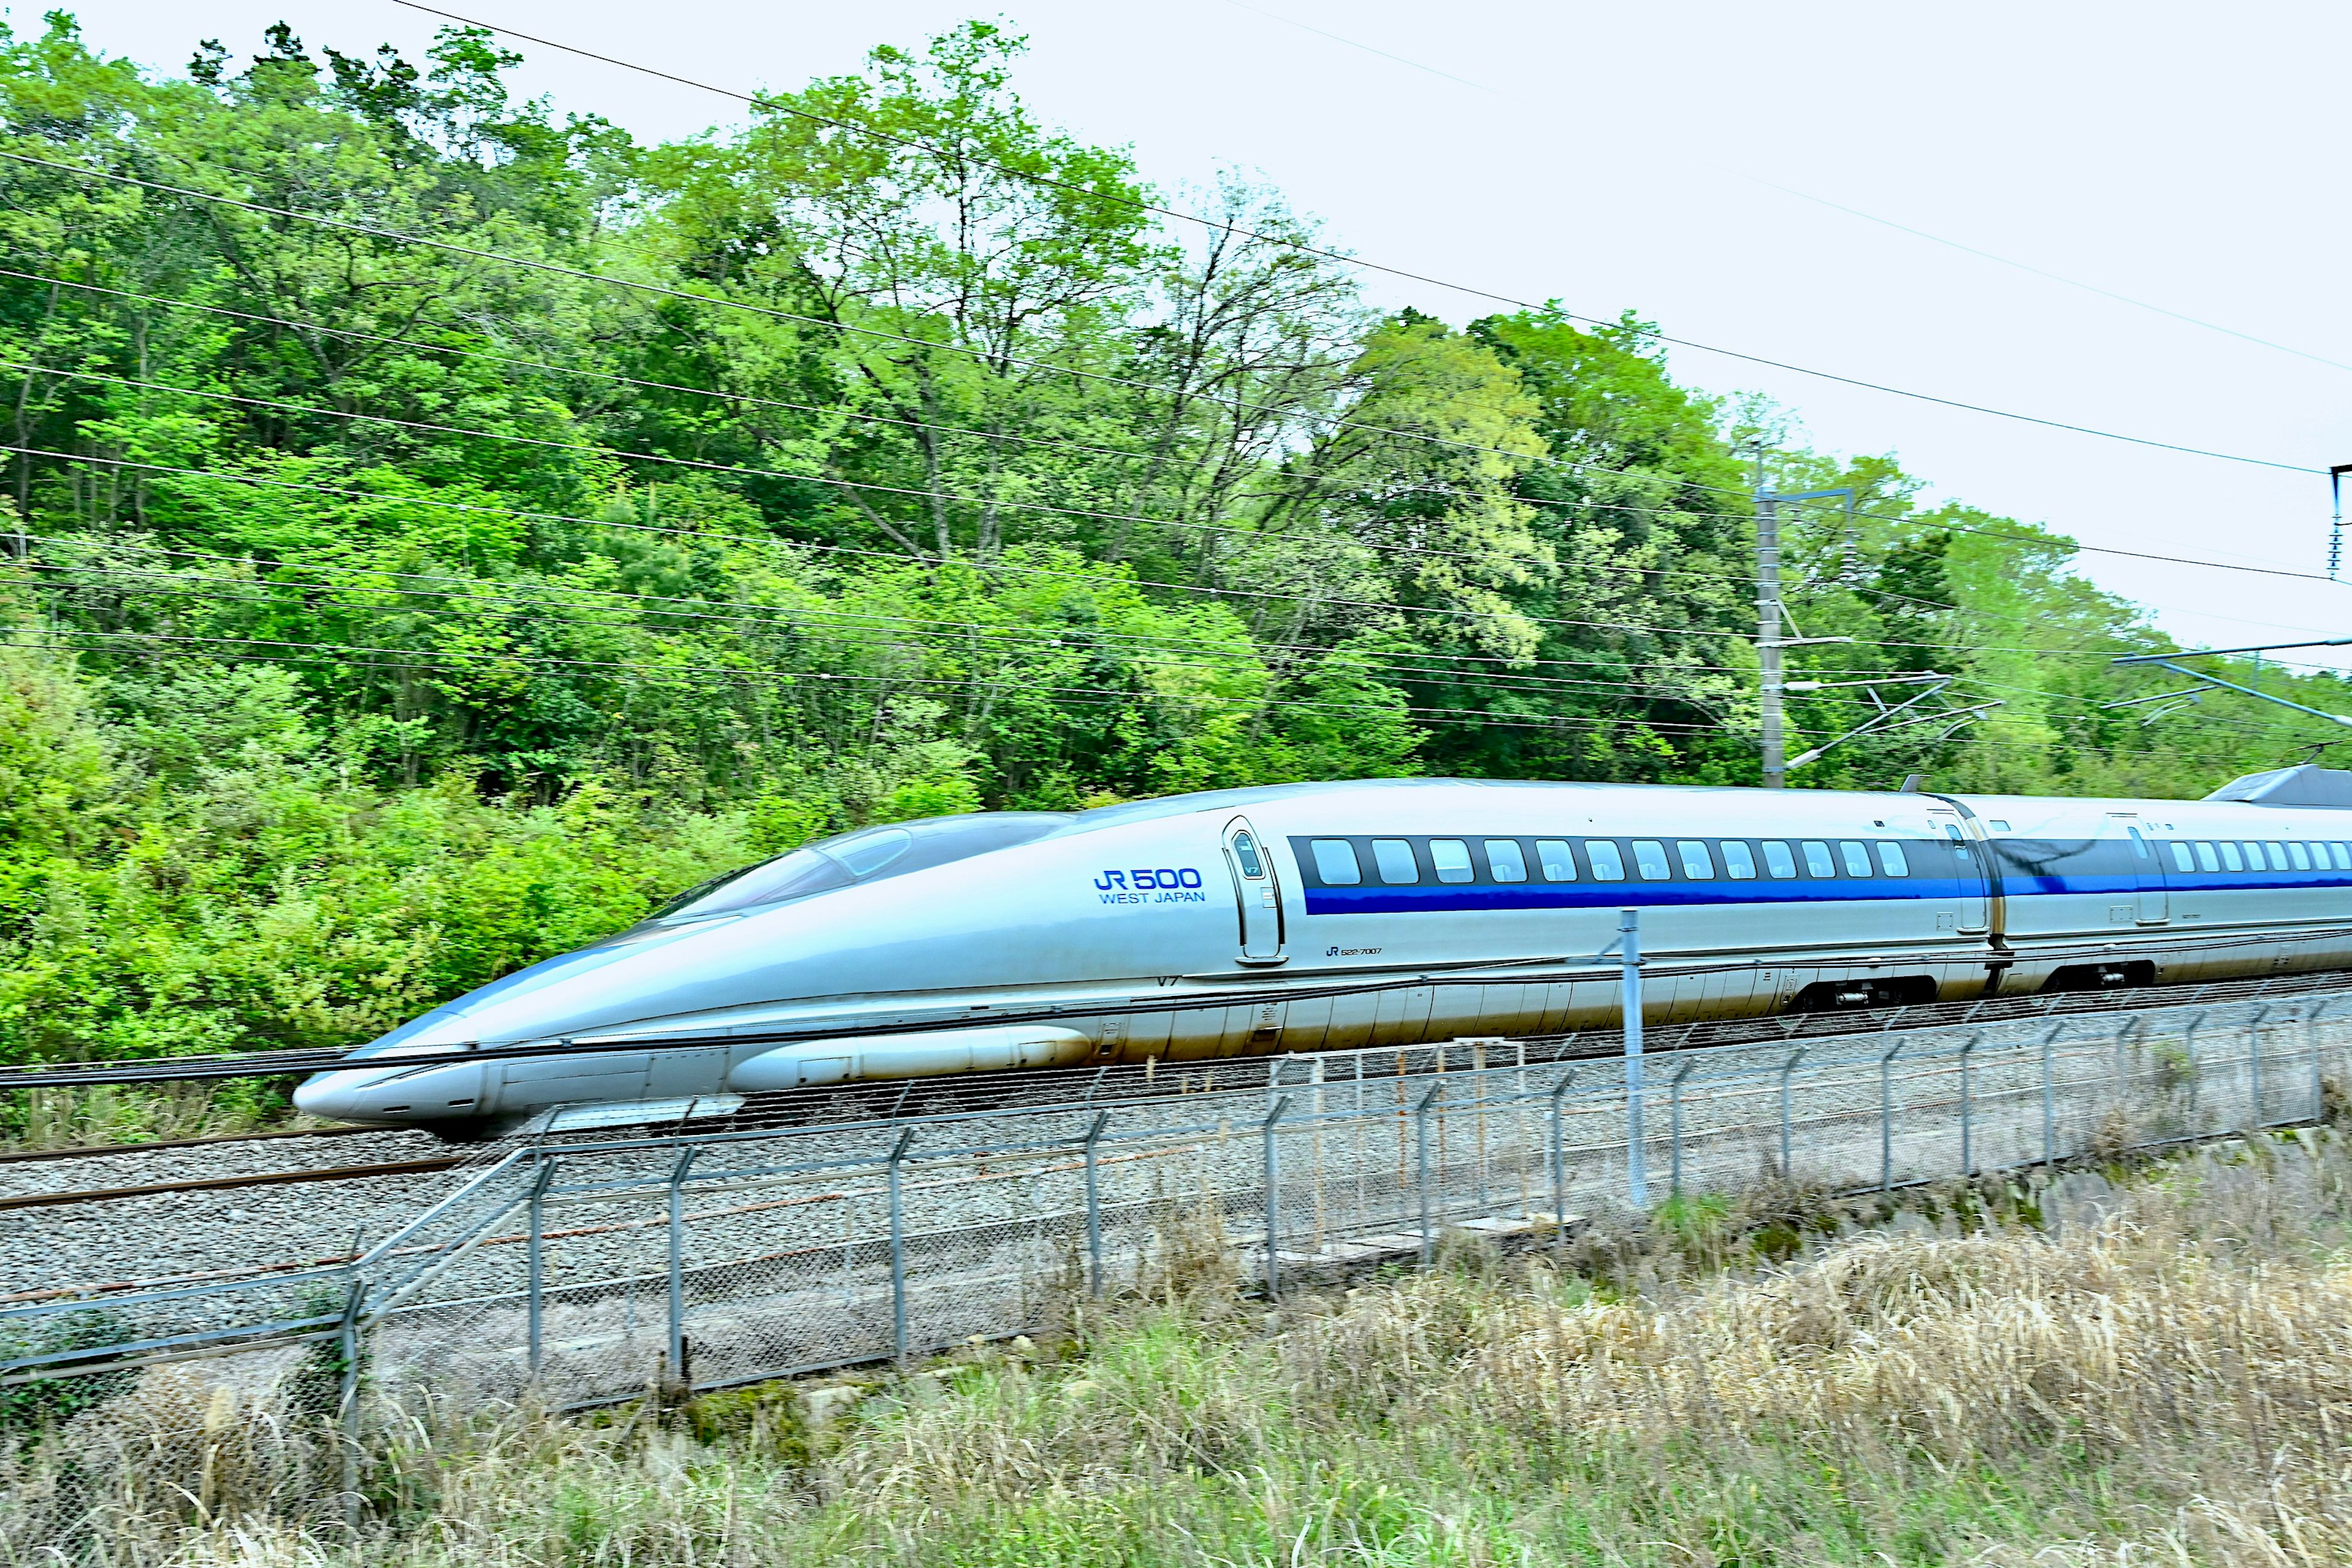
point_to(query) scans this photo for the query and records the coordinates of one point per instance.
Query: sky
(2121, 199)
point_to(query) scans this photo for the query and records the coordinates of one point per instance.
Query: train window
(1451, 857)
(2298, 857)
(1697, 864)
(1890, 858)
(1777, 858)
(2139, 845)
(1334, 862)
(1857, 858)
(2341, 854)
(2255, 861)
(2206, 860)
(1959, 843)
(1245, 848)
(1507, 860)
(1559, 861)
(1608, 865)
(2318, 855)
(1650, 860)
(1739, 861)
(2231, 860)
(1395, 859)
(2181, 859)
(869, 855)
(1997, 825)
(1817, 859)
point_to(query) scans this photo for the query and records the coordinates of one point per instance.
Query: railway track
(99, 1150)
(250, 1179)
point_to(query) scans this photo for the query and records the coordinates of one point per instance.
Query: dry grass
(2158, 1371)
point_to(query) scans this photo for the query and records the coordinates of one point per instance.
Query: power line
(654, 673)
(1195, 656)
(913, 145)
(994, 566)
(1007, 436)
(1585, 504)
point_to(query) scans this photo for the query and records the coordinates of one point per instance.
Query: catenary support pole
(1769, 631)
(1629, 961)
(1274, 1202)
(898, 1248)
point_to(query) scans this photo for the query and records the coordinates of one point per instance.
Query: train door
(1257, 892)
(2151, 905)
(1968, 860)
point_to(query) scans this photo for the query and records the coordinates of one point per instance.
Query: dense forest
(437, 529)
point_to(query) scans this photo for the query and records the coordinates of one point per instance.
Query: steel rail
(257, 1179)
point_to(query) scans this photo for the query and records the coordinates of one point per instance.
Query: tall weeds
(2160, 1373)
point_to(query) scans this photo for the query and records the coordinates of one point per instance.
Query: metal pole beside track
(2255, 1070)
(1675, 1120)
(1968, 1120)
(1886, 1115)
(1788, 1161)
(1274, 1202)
(2050, 1097)
(676, 1341)
(1094, 1207)
(1629, 940)
(898, 1250)
(1421, 1160)
(1559, 1159)
(535, 1263)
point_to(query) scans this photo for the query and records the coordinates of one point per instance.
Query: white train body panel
(1184, 929)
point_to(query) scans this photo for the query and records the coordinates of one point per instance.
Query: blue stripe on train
(1421, 897)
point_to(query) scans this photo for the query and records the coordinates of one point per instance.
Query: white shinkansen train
(1322, 916)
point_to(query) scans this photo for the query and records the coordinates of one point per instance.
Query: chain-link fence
(871, 1224)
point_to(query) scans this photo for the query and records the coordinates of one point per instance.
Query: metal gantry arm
(2168, 661)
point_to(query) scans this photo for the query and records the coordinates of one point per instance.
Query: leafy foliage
(438, 530)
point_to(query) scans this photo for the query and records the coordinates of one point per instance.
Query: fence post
(1675, 1119)
(1559, 1160)
(536, 1262)
(2050, 1097)
(1886, 1115)
(898, 1250)
(1968, 1120)
(1274, 1204)
(1788, 1163)
(2311, 1045)
(2255, 1070)
(1637, 1154)
(676, 1349)
(1094, 1207)
(347, 1409)
(1421, 1160)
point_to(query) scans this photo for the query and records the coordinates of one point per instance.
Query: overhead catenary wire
(773, 104)
(1916, 520)
(1197, 657)
(997, 566)
(1582, 504)
(341, 656)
